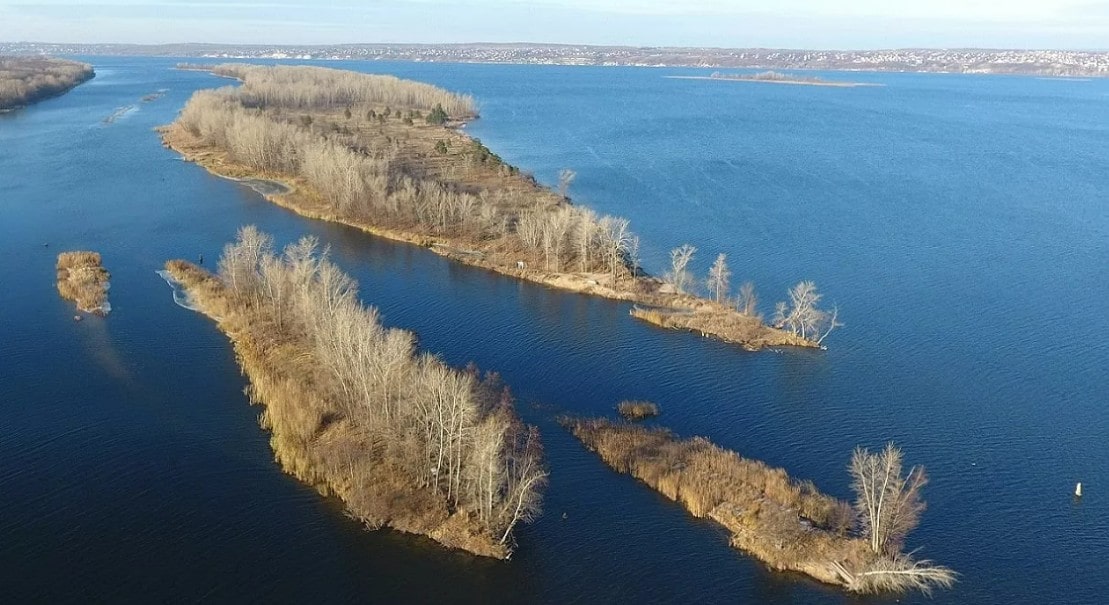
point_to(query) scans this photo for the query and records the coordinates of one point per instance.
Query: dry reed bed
(368, 431)
(356, 150)
(787, 524)
(83, 280)
(637, 410)
(722, 323)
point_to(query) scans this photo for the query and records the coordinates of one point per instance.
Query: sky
(815, 24)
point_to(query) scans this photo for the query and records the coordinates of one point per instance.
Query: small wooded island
(356, 411)
(84, 280)
(775, 77)
(384, 155)
(786, 523)
(27, 80)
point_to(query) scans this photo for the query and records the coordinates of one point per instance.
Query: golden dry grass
(723, 323)
(637, 410)
(83, 280)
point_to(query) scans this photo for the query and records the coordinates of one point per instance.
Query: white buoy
(1078, 490)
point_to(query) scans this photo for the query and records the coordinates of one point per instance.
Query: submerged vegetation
(349, 146)
(787, 524)
(84, 280)
(637, 410)
(26, 80)
(356, 411)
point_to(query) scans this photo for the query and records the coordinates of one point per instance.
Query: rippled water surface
(959, 222)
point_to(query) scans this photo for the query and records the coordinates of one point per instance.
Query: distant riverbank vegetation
(27, 80)
(768, 76)
(380, 153)
(775, 77)
(357, 411)
(788, 524)
(84, 280)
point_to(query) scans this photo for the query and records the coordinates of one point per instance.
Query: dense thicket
(404, 439)
(25, 80)
(306, 87)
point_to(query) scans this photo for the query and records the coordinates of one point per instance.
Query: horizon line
(562, 44)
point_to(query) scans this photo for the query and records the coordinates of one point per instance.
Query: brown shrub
(83, 280)
(637, 410)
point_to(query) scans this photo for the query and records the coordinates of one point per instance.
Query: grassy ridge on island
(385, 155)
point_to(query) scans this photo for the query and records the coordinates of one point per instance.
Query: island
(356, 411)
(774, 77)
(388, 156)
(632, 409)
(27, 80)
(84, 280)
(785, 523)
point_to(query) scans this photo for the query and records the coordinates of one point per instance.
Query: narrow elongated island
(385, 155)
(27, 80)
(355, 410)
(788, 524)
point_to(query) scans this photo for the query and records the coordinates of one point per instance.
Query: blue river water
(959, 222)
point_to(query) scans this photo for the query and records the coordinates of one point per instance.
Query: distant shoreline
(1023, 62)
(829, 83)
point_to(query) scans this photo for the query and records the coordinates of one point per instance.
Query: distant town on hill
(1059, 63)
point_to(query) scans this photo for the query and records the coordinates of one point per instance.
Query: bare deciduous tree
(679, 276)
(802, 316)
(565, 179)
(888, 503)
(747, 302)
(718, 278)
(617, 240)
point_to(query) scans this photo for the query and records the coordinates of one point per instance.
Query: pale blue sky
(1081, 24)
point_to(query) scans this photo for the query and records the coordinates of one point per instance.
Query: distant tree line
(26, 80)
(306, 87)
